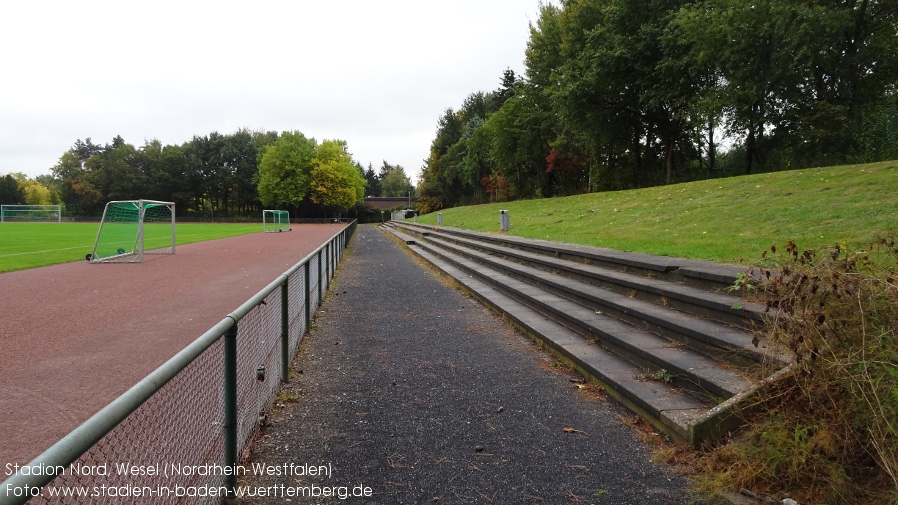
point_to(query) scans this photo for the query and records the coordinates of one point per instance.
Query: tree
(284, 170)
(507, 89)
(35, 192)
(240, 160)
(623, 93)
(795, 77)
(336, 181)
(10, 193)
(372, 182)
(395, 183)
(76, 190)
(115, 172)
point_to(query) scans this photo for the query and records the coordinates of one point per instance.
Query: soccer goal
(275, 220)
(31, 213)
(132, 228)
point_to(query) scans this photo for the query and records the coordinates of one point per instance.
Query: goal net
(31, 213)
(275, 220)
(132, 228)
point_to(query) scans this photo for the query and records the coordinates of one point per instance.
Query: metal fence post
(285, 331)
(230, 407)
(320, 268)
(308, 300)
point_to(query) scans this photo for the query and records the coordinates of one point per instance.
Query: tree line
(234, 175)
(621, 94)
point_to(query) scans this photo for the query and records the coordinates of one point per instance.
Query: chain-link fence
(176, 436)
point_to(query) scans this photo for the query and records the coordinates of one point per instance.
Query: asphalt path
(408, 391)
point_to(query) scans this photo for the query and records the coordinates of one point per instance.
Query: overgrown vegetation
(828, 433)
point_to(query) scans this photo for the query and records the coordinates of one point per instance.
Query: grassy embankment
(828, 434)
(724, 220)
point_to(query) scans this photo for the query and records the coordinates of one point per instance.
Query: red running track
(73, 337)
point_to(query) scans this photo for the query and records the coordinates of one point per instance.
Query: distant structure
(388, 202)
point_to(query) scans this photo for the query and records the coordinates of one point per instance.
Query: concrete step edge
(714, 337)
(668, 408)
(685, 367)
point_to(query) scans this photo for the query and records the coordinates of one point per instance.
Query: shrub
(829, 432)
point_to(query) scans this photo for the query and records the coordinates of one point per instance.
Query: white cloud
(376, 74)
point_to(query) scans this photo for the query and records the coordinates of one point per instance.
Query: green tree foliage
(459, 155)
(77, 191)
(10, 193)
(795, 76)
(214, 175)
(372, 182)
(284, 170)
(629, 93)
(115, 172)
(625, 106)
(394, 182)
(336, 182)
(17, 189)
(35, 192)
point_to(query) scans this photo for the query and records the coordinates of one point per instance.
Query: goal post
(31, 213)
(275, 221)
(131, 229)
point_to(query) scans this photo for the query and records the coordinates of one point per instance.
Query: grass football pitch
(30, 245)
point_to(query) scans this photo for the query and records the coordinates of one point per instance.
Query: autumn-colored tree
(336, 181)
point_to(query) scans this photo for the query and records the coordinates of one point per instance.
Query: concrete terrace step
(733, 345)
(668, 408)
(709, 304)
(688, 370)
(600, 318)
(703, 274)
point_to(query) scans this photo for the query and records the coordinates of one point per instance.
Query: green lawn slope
(728, 220)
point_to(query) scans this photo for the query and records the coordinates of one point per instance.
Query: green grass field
(725, 220)
(29, 245)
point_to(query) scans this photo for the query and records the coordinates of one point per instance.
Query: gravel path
(413, 393)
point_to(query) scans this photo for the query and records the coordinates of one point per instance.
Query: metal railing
(176, 436)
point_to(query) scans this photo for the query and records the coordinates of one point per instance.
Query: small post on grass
(504, 221)
(439, 219)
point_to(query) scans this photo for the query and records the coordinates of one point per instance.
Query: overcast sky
(377, 74)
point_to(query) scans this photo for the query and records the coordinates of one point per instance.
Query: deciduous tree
(10, 193)
(284, 170)
(336, 181)
(395, 183)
